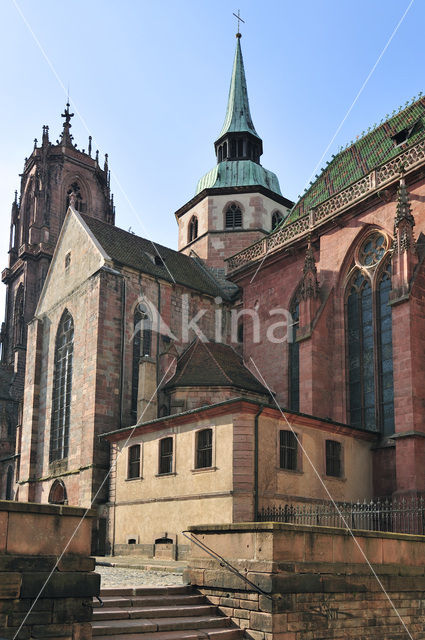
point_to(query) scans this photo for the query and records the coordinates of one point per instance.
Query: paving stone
(118, 577)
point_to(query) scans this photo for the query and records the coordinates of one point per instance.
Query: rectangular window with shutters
(333, 458)
(165, 456)
(134, 462)
(288, 452)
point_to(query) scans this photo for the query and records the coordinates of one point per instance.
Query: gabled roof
(238, 115)
(127, 249)
(370, 151)
(213, 364)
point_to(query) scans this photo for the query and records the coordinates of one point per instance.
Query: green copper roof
(363, 155)
(238, 116)
(239, 173)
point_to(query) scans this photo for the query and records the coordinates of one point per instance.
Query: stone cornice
(233, 191)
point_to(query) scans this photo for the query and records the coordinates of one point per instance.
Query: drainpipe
(256, 461)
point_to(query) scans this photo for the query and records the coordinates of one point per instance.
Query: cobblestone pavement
(118, 577)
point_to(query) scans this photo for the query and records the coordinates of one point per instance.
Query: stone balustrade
(377, 179)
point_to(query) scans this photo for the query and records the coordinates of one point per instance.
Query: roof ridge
(189, 358)
(204, 344)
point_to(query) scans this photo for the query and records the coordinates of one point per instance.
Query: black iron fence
(405, 515)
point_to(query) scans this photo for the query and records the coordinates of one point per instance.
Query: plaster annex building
(84, 358)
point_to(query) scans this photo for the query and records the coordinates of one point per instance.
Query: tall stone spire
(238, 139)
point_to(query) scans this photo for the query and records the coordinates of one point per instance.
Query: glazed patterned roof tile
(368, 152)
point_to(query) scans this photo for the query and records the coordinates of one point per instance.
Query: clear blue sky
(151, 81)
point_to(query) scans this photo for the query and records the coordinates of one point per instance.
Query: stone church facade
(98, 337)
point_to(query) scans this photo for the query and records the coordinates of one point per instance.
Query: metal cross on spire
(239, 19)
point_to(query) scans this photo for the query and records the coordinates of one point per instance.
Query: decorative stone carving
(332, 207)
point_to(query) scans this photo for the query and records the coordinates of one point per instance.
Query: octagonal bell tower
(238, 201)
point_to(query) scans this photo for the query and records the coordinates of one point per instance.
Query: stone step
(119, 627)
(228, 633)
(150, 600)
(159, 613)
(116, 613)
(147, 591)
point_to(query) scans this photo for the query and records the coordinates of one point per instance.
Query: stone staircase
(159, 613)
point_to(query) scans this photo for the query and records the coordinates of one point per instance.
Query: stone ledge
(50, 509)
(275, 527)
(45, 563)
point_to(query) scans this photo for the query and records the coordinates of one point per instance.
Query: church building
(274, 358)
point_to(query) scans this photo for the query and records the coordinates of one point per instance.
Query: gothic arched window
(57, 493)
(18, 318)
(142, 344)
(233, 218)
(277, 218)
(294, 356)
(62, 384)
(369, 340)
(360, 342)
(193, 229)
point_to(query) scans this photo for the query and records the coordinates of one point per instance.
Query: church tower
(238, 202)
(54, 176)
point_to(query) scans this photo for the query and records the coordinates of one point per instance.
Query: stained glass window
(294, 359)
(386, 353)
(361, 373)
(62, 383)
(373, 249)
(370, 355)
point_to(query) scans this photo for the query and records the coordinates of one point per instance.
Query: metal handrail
(223, 563)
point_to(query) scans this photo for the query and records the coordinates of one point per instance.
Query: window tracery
(369, 337)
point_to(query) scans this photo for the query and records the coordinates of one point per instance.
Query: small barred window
(165, 456)
(333, 458)
(134, 462)
(204, 449)
(288, 451)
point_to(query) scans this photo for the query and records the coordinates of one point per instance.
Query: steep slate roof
(205, 364)
(136, 252)
(365, 154)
